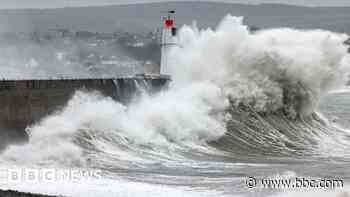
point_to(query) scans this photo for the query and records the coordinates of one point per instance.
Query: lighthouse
(168, 42)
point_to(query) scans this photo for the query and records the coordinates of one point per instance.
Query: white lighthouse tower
(168, 42)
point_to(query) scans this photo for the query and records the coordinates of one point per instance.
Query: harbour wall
(23, 102)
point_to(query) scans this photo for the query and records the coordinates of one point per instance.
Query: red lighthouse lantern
(169, 23)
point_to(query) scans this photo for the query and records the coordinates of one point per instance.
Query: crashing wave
(241, 92)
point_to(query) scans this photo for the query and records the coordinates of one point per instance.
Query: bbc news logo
(48, 175)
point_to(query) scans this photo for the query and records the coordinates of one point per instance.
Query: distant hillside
(145, 17)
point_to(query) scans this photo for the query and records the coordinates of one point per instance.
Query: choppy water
(241, 105)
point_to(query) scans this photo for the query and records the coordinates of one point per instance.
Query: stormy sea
(244, 113)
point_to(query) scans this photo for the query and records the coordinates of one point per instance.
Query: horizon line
(171, 1)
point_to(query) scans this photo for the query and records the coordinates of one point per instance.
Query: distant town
(64, 51)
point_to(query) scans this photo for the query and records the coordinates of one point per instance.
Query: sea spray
(223, 77)
(180, 115)
(256, 69)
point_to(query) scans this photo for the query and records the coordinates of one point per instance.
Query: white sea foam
(317, 192)
(179, 115)
(209, 67)
(104, 188)
(341, 90)
(254, 66)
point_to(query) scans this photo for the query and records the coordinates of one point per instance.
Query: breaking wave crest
(234, 93)
(267, 70)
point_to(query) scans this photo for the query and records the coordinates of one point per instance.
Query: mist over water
(240, 104)
(39, 56)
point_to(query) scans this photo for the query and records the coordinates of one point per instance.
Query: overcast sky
(69, 3)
